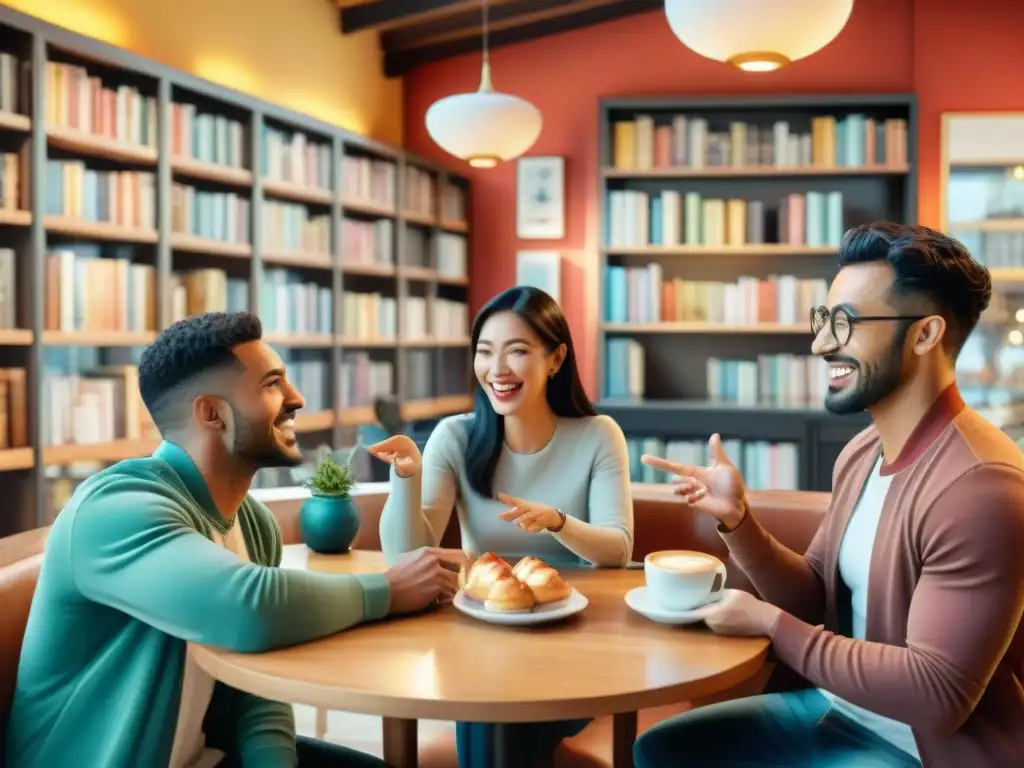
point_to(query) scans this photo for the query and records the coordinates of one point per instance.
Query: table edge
(362, 702)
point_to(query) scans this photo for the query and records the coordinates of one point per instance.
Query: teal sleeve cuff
(376, 595)
(275, 757)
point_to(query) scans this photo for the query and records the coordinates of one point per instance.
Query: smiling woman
(533, 471)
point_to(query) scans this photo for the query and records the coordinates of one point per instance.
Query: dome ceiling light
(485, 127)
(757, 35)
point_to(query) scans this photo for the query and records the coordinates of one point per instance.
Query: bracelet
(561, 521)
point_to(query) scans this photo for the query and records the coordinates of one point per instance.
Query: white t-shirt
(189, 750)
(854, 568)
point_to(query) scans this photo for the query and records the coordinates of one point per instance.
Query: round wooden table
(444, 665)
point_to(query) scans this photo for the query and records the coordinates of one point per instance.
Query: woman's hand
(400, 452)
(529, 515)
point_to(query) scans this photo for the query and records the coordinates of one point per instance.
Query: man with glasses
(904, 615)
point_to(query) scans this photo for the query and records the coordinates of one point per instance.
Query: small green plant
(330, 479)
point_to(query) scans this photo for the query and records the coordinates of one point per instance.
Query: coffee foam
(684, 562)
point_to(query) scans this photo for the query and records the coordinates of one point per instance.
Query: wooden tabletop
(444, 665)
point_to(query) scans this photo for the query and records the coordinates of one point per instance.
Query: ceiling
(417, 32)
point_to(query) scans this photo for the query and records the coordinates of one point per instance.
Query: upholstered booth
(662, 522)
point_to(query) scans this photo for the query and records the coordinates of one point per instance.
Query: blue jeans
(788, 730)
(475, 741)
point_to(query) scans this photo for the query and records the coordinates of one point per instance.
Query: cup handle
(719, 583)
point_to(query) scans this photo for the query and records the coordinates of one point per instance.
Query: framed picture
(540, 269)
(540, 198)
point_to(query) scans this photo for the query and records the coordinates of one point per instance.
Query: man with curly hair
(153, 553)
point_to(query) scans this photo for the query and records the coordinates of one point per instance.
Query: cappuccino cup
(681, 580)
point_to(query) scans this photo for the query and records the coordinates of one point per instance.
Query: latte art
(685, 562)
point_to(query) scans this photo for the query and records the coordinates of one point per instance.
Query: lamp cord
(485, 33)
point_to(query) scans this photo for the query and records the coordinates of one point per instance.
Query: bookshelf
(982, 204)
(132, 195)
(720, 222)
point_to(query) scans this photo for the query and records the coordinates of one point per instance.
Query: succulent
(330, 479)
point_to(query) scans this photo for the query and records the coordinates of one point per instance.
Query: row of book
(453, 203)
(368, 242)
(294, 158)
(290, 227)
(98, 405)
(207, 137)
(124, 198)
(80, 101)
(452, 255)
(10, 182)
(363, 378)
(439, 318)
(207, 290)
(419, 191)
(996, 250)
(369, 180)
(89, 287)
(687, 141)
(369, 316)
(643, 295)
(671, 218)
(13, 73)
(290, 304)
(419, 374)
(8, 289)
(789, 381)
(13, 408)
(765, 465)
(220, 216)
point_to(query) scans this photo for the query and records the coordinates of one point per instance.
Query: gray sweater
(583, 471)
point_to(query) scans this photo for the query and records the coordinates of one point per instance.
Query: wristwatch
(561, 521)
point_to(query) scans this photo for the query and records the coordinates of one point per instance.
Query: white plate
(639, 600)
(542, 614)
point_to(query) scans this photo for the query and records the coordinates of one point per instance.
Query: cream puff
(509, 595)
(543, 581)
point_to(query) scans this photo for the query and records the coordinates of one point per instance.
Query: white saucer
(572, 605)
(639, 600)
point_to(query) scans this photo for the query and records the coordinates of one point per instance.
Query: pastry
(544, 582)
(477, 580)
(509, 595)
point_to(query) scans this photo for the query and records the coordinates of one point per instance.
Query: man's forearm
(781, 576)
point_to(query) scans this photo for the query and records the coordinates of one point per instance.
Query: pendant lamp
(757, 35)
(485, 127)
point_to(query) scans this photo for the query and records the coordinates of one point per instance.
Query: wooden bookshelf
(347, 207)
(720, 222)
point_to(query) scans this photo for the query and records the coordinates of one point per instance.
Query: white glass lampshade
(486, 127)
(757, 35)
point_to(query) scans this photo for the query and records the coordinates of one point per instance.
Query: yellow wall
(289, 52)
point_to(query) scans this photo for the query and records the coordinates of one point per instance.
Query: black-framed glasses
(842, 321)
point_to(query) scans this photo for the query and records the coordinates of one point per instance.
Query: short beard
(258, 446)
(875, 382)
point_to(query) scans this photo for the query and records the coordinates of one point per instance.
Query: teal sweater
(129, 576)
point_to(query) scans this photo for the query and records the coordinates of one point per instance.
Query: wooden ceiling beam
(469, 23)
(400, 62)
(392, 14)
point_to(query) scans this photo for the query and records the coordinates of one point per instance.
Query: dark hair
(929, 268)
(188, 349)
(565, 393)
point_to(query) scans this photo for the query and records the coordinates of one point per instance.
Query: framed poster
(540, 198)
(540, 269)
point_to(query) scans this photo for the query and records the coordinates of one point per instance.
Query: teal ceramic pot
(329, 524)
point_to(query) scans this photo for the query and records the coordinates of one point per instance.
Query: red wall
(955, 55)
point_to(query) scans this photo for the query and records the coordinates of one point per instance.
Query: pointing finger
(512, 501)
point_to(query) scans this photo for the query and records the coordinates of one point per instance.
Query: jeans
(321, 754)
(787, 730)
(475, 741)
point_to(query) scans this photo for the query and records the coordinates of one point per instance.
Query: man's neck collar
(946, 407)
(187, 469)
